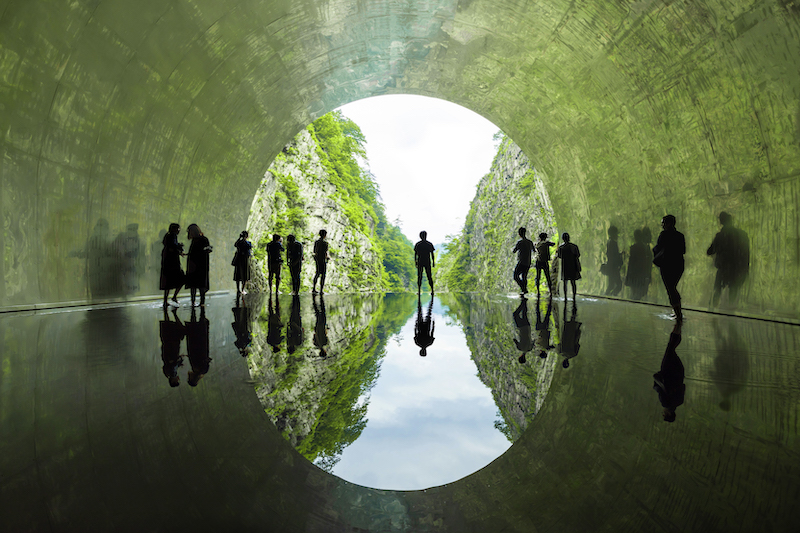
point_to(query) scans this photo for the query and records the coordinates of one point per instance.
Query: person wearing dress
(197, 263)
(569, 254)
(172, 276)
(241, 262)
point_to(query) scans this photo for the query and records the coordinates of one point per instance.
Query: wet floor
(123, 418)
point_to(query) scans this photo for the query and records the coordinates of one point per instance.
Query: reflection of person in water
(423, 329)
(241, 325)
(172, 333)
(570, 336)
(294, 331)
(732, 363)
(321, 326)
(614, 260)
(640, 265)
(525, 343)
(172, 276)
(275, 326)
(731, 251)
(524, 249)
(668, 382)
(197, 346)
(543, 329)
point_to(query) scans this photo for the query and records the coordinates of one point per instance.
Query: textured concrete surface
(115, 112)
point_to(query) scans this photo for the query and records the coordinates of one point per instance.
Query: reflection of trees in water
(319, 404)
(490, 329)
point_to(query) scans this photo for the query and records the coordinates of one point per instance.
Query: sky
(427, 156)
(430, 420)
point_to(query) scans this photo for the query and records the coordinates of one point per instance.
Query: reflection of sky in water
(430, 419)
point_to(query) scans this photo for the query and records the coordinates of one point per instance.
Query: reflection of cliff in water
(518, 388)
(319, 403)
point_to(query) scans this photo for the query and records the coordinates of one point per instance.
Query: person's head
(543, 354)
(244, 234)
(669, 222)
(725, 218)
(423, 235)
(669, 414)
(565, 237)
(613, 232)
(193, 231)
(522, 358)
(290, 238)
(276, 237)
(193, 378)
(565, 363)
(522, 232)
(174, 381)
(423, 352)
(323, 233)
(638, 236)
(132, 228)
(542, 236)
(174, 228)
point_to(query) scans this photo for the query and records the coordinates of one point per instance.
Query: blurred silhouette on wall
(523, 325)
(172, 333)
(197, 346)
(131, 260)
(640, 266)
(668, 382)
(731, 251)
(668, 257)
(102, 275)
(613, 264)
(274, 324)
(732, 363)
(570, 343)
(423, 328)
(321, 325)
(294, 331)
(242, 325)
(543, 336)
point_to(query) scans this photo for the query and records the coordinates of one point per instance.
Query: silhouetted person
(425, 260)
(294, 256)
(570, 336)
(130, 258)
(543, 342)
(731, 251)
(525, 342)
(614, 261)
(321, 326)
(543, 261)
(197, 347)
(668, 382)
(524, 250)
(668, 256)
(423, 329)
(242, 325)
(172, 276)
(569, 256)
(241, 262)
(274, 261)
(274, 325)
(640, 266)
(320, 262)
(171, 333)
(197, 263)
(294, 331)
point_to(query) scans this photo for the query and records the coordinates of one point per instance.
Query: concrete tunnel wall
(161, 111)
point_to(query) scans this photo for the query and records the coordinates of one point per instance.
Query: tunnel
(122, 116)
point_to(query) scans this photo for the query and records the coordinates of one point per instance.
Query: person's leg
(316, 277)
(419, 279)
(430, 276)
(566, 292)
(518, 276)
(193, 293)
(574, 290)
(538, 276)
(166, 293)
(547, 276)
(202, 297)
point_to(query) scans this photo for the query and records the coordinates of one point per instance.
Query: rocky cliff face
(297, 196)
(510, 196)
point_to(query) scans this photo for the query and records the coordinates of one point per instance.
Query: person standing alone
(668, 256)
(321, 262)
(274, 261)
(294, 256)
(424, 259)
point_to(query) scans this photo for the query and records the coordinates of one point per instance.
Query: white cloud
(427, 156)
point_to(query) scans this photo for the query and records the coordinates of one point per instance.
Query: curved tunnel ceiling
(152, 112)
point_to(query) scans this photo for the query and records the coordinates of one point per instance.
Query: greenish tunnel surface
(117, 113)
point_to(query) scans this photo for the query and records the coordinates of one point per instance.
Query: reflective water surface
(130, 418)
